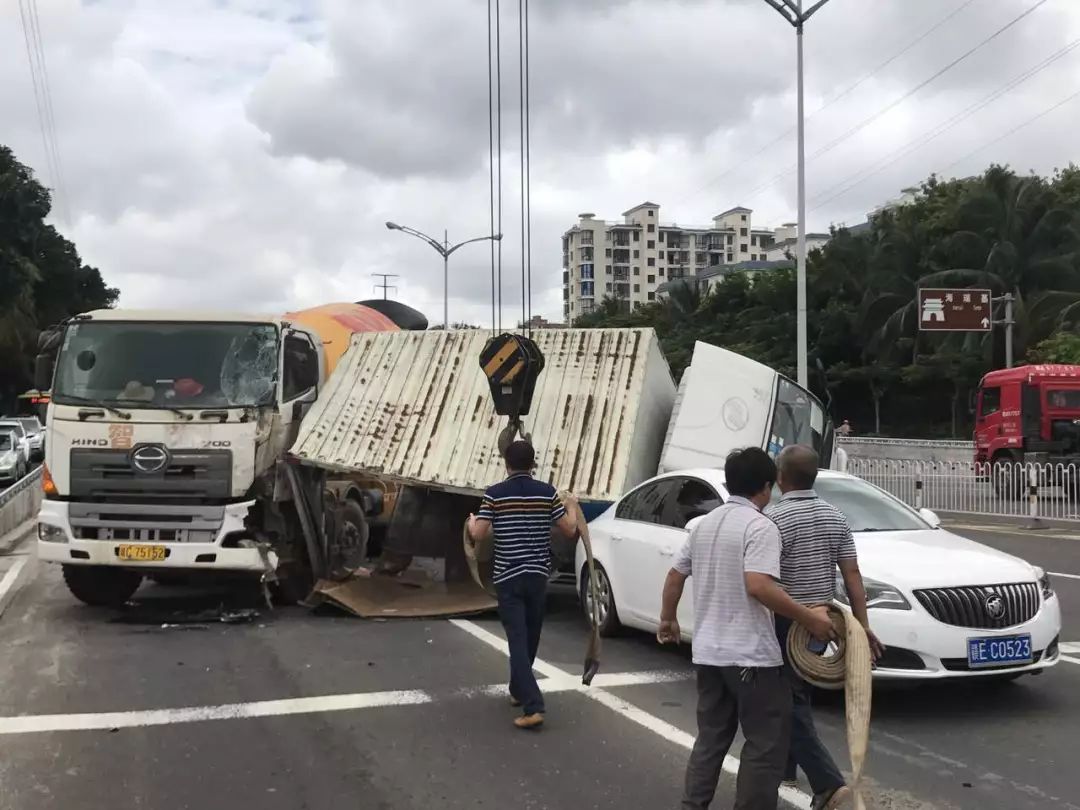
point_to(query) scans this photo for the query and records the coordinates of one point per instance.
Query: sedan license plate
(140, 552)
(998, 651)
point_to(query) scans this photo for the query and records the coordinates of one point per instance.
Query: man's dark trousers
(807, 750)
(521, 608)
(758, 700)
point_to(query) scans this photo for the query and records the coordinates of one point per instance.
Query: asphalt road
(295, 710)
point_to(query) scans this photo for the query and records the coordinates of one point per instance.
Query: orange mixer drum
(336, 323)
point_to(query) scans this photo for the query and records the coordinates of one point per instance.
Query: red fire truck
(1029, 415)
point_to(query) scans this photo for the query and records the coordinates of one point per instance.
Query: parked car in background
(16, 426)
(35, 434)
(944, 606)
(13, 461)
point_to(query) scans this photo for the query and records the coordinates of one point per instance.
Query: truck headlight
(1044, 583)
(878, 594)
(51, 534)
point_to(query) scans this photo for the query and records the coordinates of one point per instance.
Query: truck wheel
(101, 586)
(353, 542)
(1007, 478)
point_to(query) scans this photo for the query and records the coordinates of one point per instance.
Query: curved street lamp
(444, 249)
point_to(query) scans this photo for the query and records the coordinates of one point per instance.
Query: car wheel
(609, 612)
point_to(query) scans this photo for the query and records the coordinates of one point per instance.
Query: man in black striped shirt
(814, 540)
(520, 511)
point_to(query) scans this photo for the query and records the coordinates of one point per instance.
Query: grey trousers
(759, 702)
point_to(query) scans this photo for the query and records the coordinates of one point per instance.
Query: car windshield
(31, 425)
(167, 365)
(866, 507)
(12, 427)
(7, 441)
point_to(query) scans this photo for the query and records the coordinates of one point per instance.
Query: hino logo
(995, 606)
(149, 458)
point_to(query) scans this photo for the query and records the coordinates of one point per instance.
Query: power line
(1013, 131)
(39, 77)
(898, 101)
(842, 94)
(858, 178)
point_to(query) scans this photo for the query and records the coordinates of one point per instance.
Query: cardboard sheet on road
(412, 594)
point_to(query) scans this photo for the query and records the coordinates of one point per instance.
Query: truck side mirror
(43, 371)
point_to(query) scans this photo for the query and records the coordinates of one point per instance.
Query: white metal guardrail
(1034, 491)
(20, 502)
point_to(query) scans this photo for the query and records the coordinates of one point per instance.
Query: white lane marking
(662, 728)
(611, 680)
(1070, 659)
(1070, 647)
(8, 582)
(30, 724)
(1059, 574)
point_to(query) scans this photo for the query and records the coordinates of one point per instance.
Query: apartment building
(629, 260)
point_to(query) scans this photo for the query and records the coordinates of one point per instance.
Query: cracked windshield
(167, 365)
(737, 467)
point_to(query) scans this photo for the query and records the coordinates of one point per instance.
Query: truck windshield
(167, 365)
(1063, 399)
(799, 418)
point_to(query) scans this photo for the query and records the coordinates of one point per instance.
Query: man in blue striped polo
(520, 511)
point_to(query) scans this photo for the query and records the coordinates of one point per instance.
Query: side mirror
(301, 402)
(43, 371)
(931, 517)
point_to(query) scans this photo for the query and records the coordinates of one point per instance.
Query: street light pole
(444, 249)
(792, 11)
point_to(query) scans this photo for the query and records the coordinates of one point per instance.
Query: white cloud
(246, 153)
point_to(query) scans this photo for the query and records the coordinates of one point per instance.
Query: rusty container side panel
(415, 407)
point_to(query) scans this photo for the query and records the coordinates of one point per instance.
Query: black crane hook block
(512, 364)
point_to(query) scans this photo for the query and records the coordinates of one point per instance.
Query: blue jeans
(807, 751)
(521, 609)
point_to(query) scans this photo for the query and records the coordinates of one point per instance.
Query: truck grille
(191, 476)
(967, 606)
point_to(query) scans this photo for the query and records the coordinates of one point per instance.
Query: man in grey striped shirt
(815, 539)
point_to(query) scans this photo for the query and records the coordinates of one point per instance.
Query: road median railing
(20, 502)
(1035, 492)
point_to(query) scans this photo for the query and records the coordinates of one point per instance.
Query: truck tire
(355, 533)
(100, 586)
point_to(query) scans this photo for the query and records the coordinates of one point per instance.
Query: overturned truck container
(416, 409)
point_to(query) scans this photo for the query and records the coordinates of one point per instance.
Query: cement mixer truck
(168, 434)
(182, 442)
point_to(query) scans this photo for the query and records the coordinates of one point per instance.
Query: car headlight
(51, 534)
(878, 594)
(1044, 583)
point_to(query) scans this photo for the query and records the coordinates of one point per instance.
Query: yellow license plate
(141, 553)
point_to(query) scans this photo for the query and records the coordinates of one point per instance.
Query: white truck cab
(165, 429)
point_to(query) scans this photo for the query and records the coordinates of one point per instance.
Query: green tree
(1064, 347)
(42, 278)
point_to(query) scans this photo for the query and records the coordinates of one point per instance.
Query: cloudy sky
(246, 153)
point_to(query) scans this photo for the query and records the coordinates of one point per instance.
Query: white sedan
(944, 606)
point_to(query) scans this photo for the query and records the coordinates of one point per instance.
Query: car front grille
(961, 664)
(968, 606)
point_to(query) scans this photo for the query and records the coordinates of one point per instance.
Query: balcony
(620, 257)
(621, 275)
(585, 254)
(586, 238)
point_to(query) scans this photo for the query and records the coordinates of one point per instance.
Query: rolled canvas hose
(849, 668)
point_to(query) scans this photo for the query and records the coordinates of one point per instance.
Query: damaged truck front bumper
(137, 536)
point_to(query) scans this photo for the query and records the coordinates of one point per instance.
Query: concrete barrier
(19, 505)
(926, 450)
